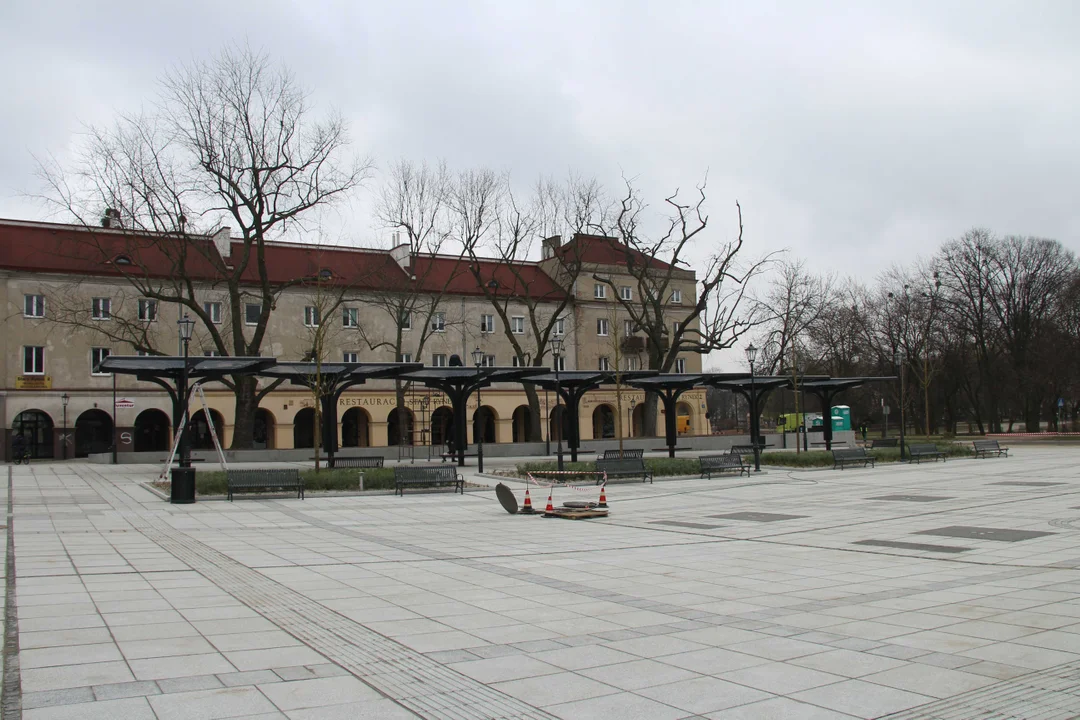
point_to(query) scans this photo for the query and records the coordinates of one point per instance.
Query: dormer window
(121, 260)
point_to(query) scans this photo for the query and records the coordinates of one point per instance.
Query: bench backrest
(411, 473)
(289, 475)
(850, 454)
(742, 449)
(620, 465)
(627, 453)
(986, 445)
(921, 448)
(883, 443)
(719, 461)
(366, 461)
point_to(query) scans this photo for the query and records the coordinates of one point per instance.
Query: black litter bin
(183, 486)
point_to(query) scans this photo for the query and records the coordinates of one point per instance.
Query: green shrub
(659, 467)
(214, 482)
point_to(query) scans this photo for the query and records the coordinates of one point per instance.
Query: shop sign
(124, 403)
(33, 382)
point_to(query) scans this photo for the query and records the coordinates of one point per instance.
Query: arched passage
(522, 423)
(262, 437)
(638, 420)
(603, 422)
(37, 427)
(152, 431)
(303, 429)
(555, 424)
(399, 427)
(684, 419)
(199, 434)
(356, 428)
(442, 425)
(484, 424)
(93, 433)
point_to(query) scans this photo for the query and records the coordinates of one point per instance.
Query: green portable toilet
(841, 417)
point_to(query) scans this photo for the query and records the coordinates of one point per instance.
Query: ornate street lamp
(556, 351)
(186, 326)
(478, 423)
(64, 400)
(751, 355)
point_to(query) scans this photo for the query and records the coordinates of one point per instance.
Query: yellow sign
(33, 382)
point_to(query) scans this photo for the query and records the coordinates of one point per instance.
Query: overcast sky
(855, 134)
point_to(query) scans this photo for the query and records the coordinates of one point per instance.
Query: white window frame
(349, 357)
(626, 292)
(101, 308)
(142, 353)
(601, 327)
(148, 310)
(213, 311)
(350, 317)
(211, 353)
(603, 363)
(676, 297)
(406, 358)
(561, 363)
(406, 321)
(599, 291)
(680, 365)
(559, 327)
(33, 306)
(98, 352)
(438, 360)
(628, 328)
(517, 325)
(488, 361)
(633, 363)
(487, 323)
(516, 361)
(36, 356)
(438, 322)
(247, 313)
(311, 316)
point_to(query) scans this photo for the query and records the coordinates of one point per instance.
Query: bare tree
(230, 145)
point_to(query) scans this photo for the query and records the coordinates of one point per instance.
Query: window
(406, 321)
(599, 291)
(101, 308)
(489, 361)
(627, 328)
(96, 356)
(147, 310)
(680, 365)
(252, 312)
(142, 353)
(438, 322)
(517, 325)
(560, 363)
(604, 364)
(626, 292)
(517, 362)
(601, 327)
(438, 360)
(405, 357)
(311, 316)
(560, 326)
(211, 353)
(487, 323)
(632, 363)
(213, 311)
(676, 296)
(33, 360)
(675, 330)
(350, 317)
(349, 357)
(34, 305)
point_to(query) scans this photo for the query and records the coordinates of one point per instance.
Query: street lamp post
(478, 423)
(751, 355)
(186, 325)
(900, 369)
(556, 351)
(633, 402)
(64, 400)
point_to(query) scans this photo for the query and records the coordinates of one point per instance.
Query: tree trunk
(534, 434)
(648, 419)
(246, 406)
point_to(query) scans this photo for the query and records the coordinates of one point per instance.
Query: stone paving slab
(818, 600)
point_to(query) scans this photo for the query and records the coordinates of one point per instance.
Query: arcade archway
(356, 428)
(152, 431)
(603, 421)
(93, 433)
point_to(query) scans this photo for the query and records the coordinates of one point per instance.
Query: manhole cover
(757, 516)
(912, 498)
(981, 533)
(695, 526)
(912, 546)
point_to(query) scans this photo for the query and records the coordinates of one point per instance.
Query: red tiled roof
(602, 250)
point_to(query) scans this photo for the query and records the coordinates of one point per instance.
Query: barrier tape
(588, 488)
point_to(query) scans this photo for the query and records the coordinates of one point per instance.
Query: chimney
(402, 255)
(111, 219)
(549, 247)
(223, 242)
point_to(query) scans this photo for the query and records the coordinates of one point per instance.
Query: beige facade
(50, 356)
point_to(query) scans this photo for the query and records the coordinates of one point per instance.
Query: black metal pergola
(669, 387)
(826, 389)
(330, 380)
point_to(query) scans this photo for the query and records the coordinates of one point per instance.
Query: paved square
(812, 602)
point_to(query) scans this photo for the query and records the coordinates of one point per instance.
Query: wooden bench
(623, 467)
(287, 479)
(918, 451)
(438, 476)
(630, 454)
(986, 448)
(882, 443)
(709, 464)
(850, 456)
(361, 461)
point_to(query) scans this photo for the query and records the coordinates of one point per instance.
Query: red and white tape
(588, 488)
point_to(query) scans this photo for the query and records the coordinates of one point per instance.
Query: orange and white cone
(527, 508)
(550, 509)
(603, 496)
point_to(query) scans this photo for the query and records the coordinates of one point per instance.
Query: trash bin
(183, 486)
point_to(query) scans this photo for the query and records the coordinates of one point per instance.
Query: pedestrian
(863, 428)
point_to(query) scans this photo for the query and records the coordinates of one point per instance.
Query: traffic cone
(603, 496)
(550, 509)
(527, 508)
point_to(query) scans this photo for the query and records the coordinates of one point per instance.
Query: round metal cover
(506, 498)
